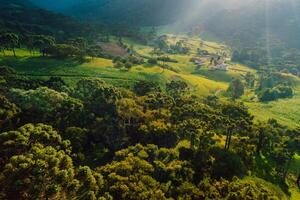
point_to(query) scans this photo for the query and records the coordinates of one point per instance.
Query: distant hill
(264, 28)
(58, 6)
(24, 18)
(265, 32)
(133, 12)
(19, 2)
(252, 22)
(229, 20)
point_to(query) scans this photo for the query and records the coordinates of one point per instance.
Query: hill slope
(134, 12)
(24, 18)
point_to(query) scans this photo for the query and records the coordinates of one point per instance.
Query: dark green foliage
(177, 87)
(197, 132)
(227, 164)
(161, 44)
(40, 42)
(23, 18)
(78, 138)
(236, 89)
(269, 79)
(127, 62)
(144, 87)
(250, 80)
(95, 51)
(128, 65)
(97, 95)
(8, 111)
(56, 83)
(63, 51)
(46, 105)
(179, 47)
(31, 175)
(159, 100)
(250, 57)
(150, 167)
(159, 132)
(149, 144)
(250, 188)
(152, 61)
(278, 92)
(167, 59)
(40, 166)
(273, 86)
(13, 80)
(9, 41)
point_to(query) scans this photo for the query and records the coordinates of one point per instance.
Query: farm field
(203, 81)
(149, 99)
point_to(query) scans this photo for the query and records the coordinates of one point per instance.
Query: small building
(219, 64)
(163, 37)
(203, 52)
(197, 61)
(222, 67)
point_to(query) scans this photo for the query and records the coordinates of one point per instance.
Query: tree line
(47, 46)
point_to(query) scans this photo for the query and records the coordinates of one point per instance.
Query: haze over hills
(100, 99)
(24, 17)
(143, 12)
(228, 20)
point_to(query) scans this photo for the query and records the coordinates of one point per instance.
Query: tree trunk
(259, 144)
(287, 168)
(298, 180)
(13, 49)
(228, 139)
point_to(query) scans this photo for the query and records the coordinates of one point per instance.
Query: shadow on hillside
(265, 170)
(36, 63)
(218, 76)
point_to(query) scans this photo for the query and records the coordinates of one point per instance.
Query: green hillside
(203, 81)
(133, 113)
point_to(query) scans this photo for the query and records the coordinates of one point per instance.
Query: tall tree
(236, 89)
(9, 41)
(8, 110)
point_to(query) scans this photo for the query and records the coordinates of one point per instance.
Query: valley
(149, 99)
(203, 81)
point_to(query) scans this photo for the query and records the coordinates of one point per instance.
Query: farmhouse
(197, 61)
(219, 64)
(203, 52)
(222, 67)
(163, 37)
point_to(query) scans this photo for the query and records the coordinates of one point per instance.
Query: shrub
(152, 61)
(128, 65)
(167, 59)
(278, 92)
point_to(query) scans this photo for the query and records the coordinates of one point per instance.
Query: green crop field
(202, 81)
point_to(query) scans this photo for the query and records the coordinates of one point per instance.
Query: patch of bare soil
(113, 49)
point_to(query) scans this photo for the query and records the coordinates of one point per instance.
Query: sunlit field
(151, 99)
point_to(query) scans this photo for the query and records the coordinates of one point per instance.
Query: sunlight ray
(267, 31)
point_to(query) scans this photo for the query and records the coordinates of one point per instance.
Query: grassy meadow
(203, 81)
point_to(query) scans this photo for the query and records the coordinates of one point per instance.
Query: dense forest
(99, 141)
(157, 138)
